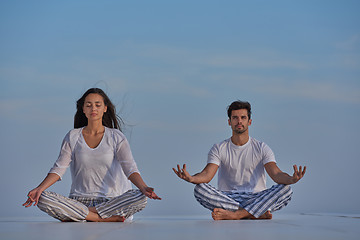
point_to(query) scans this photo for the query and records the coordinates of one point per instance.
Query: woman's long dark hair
(110, 118)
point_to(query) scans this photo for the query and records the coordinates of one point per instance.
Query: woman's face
(94, 107)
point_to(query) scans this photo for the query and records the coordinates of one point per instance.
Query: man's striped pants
(272, 199)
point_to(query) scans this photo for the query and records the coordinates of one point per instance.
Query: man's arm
(280, 177)
(204, 176)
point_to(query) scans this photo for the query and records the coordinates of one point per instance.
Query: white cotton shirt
(96, 172)
(241, 168)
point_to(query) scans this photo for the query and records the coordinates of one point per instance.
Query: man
(242, 162)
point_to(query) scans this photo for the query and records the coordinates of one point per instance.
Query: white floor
(282, 226)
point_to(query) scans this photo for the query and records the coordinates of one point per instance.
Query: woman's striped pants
(76, 208)
(272, 199)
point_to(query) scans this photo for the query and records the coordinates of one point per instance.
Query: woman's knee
(133, 196)
(45, 195)
(62, 208)
(137, 195)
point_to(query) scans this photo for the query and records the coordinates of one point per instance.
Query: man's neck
(240, 139)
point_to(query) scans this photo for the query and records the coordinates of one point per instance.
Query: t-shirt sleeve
(214, 155)
(124, 155)
(268, 154)
(64, 159)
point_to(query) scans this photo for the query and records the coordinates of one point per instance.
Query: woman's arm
(204, 176)
(280, 177)
(34, 195)
(137, 180)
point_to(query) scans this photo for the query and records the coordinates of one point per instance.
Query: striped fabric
(90, 202)
(76, 208)
(62, 208)
(124, 205)
(273, 199)
(211, 198)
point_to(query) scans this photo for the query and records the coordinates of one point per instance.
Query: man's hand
(182, 173)
(298, 173)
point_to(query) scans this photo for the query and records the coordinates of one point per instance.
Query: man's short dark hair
(239, 105)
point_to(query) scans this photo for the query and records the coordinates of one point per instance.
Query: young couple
(103, 168)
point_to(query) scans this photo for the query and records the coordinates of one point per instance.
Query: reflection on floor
(282, 226)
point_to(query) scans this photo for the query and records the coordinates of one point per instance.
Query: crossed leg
(115, 210)
(236, 206)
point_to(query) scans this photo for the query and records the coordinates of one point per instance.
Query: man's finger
(295, 169)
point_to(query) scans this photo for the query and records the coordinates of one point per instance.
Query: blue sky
(172, 68)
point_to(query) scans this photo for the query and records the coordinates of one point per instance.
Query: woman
(102, 167)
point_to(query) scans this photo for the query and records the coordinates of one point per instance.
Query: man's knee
(285, 194)
(287, 189)
(199, 189)
(201, 186)
(283, 188)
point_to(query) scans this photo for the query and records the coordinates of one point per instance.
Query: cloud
(9, 107)
(351, 43)
(249, 58)
(313, 90)
(247, 61)
(49, 109)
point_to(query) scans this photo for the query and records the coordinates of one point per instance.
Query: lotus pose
(102, 169)
(242, 162)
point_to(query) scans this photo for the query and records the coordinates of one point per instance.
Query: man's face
(239, 121)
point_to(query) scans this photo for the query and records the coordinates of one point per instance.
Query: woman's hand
(33, 197)
(137, 180)
(149, 192)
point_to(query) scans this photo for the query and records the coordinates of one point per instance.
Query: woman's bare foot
(265, 216)
(93, 216)
(114, 218)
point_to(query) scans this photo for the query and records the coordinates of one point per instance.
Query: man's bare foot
(222, 214)
(93, 216)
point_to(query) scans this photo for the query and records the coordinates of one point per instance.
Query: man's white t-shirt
(96, 172)
(241, 168)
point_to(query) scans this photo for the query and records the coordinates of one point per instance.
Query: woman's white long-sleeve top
(96, 172)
